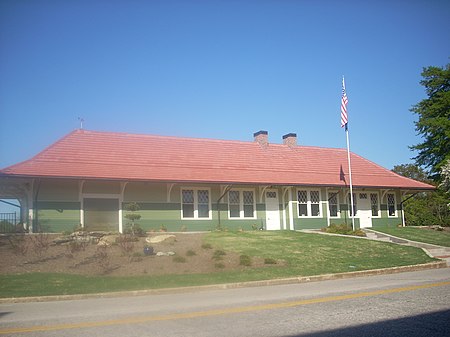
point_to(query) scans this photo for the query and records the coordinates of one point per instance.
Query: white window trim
(241, 204)
(195, 189)
(330, 193)
(395, 206)
(308, 204)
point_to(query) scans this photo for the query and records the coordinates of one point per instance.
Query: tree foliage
(445, 177)
(412, 171)
(434, 120)
(425, 208)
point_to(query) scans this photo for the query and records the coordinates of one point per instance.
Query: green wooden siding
(58, 216)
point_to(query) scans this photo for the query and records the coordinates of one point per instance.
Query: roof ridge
(215, 140)
(147, 135)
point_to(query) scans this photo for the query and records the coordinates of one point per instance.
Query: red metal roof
(121, 156)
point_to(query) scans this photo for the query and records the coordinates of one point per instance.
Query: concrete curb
(283, 281)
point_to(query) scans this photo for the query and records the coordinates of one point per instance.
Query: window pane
(271, 194)
(302, 197)
(188, 210)
(234, 211)
(203, 197)
(315, 197)
(233, 197)
(302, 210)
(374, 203)
(391, 204)
(355, 208)
(188, 203)
(248, 197)
(315, 210)
(188, 196)
(333, 210)
(248, 211)
(203, 211)
(391, 210)
(333, 205)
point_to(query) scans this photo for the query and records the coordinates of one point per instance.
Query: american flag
(344, 102)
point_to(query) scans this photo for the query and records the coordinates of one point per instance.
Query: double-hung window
(309, 203)
(333, 204)
(353, 210)
(195, 203)
(241, 204)
(391, 204)
(374, 204)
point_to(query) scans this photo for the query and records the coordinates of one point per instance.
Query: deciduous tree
(434, 120)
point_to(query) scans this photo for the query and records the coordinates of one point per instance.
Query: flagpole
(344, 122)
(350, 176)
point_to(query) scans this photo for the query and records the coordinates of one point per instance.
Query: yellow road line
(217, 312)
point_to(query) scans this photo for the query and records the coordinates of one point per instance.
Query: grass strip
(440, 238)
(303, 255)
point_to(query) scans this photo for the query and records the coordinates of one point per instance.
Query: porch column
(291, 212)
(122, 191)
(30, 206)
(81, 200)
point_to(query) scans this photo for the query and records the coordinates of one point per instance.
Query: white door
(272, 210)
(364, 211)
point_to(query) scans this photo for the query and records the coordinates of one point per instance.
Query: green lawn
(440, 238)
(303, 255)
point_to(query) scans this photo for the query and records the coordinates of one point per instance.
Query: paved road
(406, 304)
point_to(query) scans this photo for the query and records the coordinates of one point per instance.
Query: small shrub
(134, 229)
(206, 246)
(343, 229)
(76, 246)
(40, 243)
(245, 260)
(103, 259)
(218, 254)
(190, 252)
(19, 244)
(219, 265)
(269, 260)
(136, 257)
(126, 243)
(179, 259)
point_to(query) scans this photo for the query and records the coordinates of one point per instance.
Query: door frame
(364, 210)
(273, 222)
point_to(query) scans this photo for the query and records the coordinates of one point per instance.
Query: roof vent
(290, 139)
(262, 137)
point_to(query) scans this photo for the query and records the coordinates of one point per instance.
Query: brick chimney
(290, 139)
(262, 137)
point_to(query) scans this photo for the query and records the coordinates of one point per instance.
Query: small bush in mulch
(218, 254)
(191, 252)
(245, 260)
(179, 259)
(18, 244)
(270, 261)
(343, 229)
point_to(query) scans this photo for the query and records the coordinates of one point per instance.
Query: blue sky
(218, 69)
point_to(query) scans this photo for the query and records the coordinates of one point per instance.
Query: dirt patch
(34, 253)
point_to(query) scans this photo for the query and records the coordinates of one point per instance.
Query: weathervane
(81, 122)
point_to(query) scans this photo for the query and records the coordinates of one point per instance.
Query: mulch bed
(39, 253)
